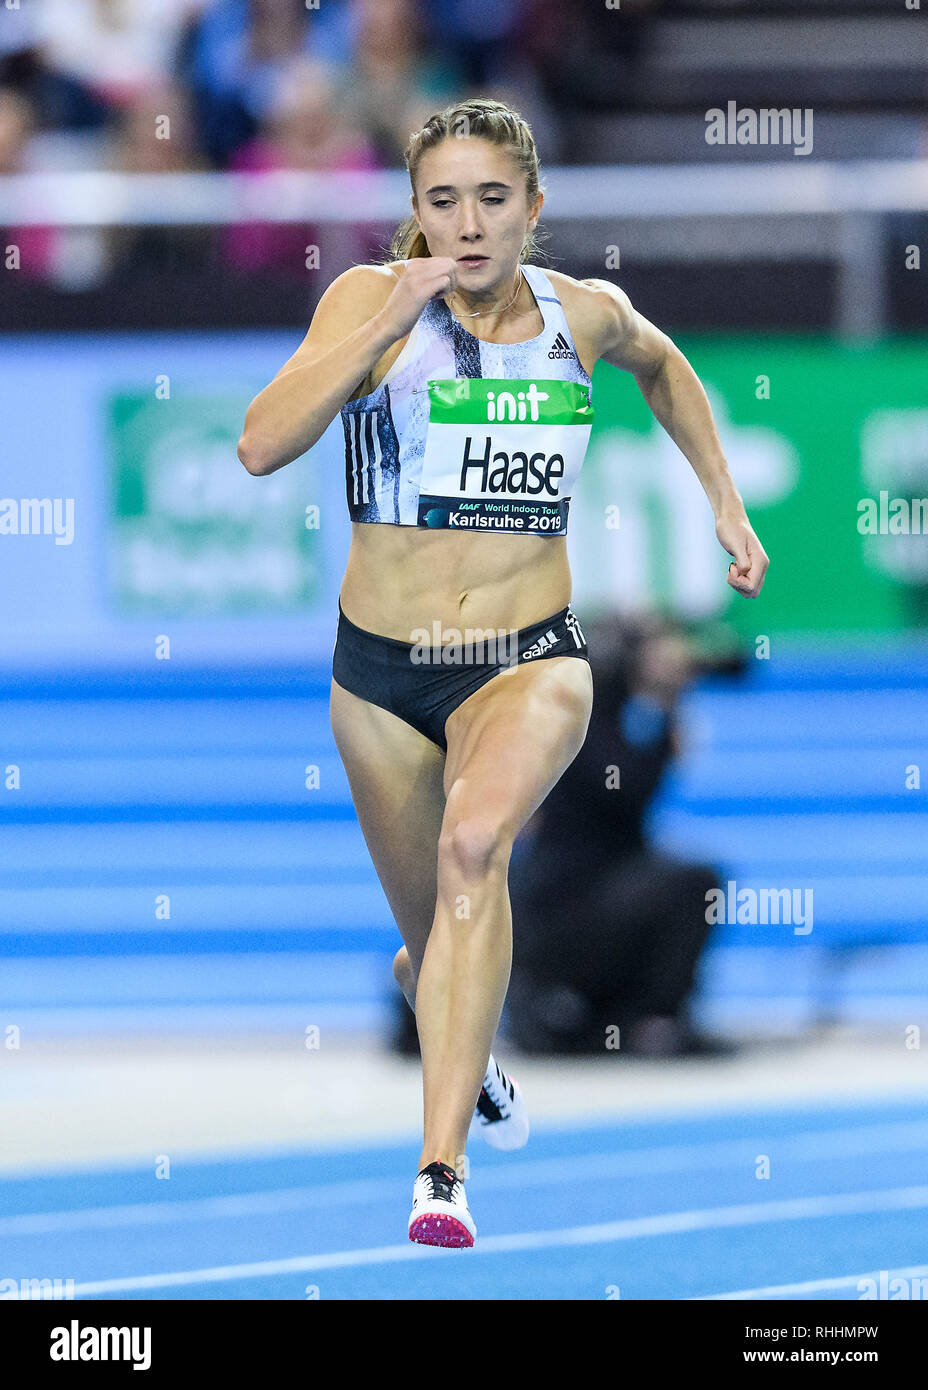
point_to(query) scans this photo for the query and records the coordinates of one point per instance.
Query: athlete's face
(471, 204)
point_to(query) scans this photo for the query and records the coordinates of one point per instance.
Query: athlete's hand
(747, 570)
(423, 278)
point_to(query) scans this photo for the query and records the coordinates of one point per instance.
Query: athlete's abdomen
(403, 577)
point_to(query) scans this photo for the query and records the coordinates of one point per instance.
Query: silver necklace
(480, 312)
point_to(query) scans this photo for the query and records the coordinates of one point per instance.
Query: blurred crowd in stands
(252, 83)
(341, 83)
(257, 85)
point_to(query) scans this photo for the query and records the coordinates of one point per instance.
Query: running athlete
(461, 682)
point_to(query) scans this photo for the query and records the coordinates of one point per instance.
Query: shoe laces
(443, 1182)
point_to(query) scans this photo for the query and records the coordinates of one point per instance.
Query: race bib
(503, 455)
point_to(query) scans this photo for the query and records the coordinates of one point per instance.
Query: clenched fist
(424, 278)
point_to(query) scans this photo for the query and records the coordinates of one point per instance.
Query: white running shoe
(439, 1209)
(501, 1115)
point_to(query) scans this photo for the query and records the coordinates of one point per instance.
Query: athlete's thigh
(510, 741)
(395, 776)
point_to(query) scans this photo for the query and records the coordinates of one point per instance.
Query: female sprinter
(462, 374)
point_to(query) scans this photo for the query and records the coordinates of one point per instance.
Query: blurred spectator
(307, 127)
(232, 58)
(36, 248)
(117, 48)
(397, 75)
(607, 931)
(482, 34)
(157, 135)
(58, 101)
(16, 122)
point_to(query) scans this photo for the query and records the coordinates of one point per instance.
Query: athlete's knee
(405, 972)
(473, 845)
(401, 966)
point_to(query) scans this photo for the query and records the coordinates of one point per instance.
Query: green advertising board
(193, 534)
(821, 440)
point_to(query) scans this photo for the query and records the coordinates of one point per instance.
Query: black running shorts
(424, 684)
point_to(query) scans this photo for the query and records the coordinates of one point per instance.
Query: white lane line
(819, 1144)
(635, 1228)
(846, 1281)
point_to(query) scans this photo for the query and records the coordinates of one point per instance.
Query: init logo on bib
(503, 455)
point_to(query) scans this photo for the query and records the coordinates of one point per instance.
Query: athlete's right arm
(363, 312)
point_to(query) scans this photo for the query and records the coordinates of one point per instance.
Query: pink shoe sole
(440, 1230)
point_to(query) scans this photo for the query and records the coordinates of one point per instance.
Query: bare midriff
(401, 578)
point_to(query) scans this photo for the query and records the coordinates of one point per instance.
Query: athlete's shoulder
(599, 310)
(595, 298)
(364, 285)
(351, 300)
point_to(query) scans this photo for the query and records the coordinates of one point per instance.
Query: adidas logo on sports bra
(466, 434)
(561, 348)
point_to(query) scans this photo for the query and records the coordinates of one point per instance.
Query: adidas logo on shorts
(546, 640)
(561, 348)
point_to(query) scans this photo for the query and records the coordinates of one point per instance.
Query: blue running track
(665, 1209)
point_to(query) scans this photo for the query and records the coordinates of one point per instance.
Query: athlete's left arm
(678, 401)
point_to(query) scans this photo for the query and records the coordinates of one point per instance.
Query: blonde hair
(489, 120)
